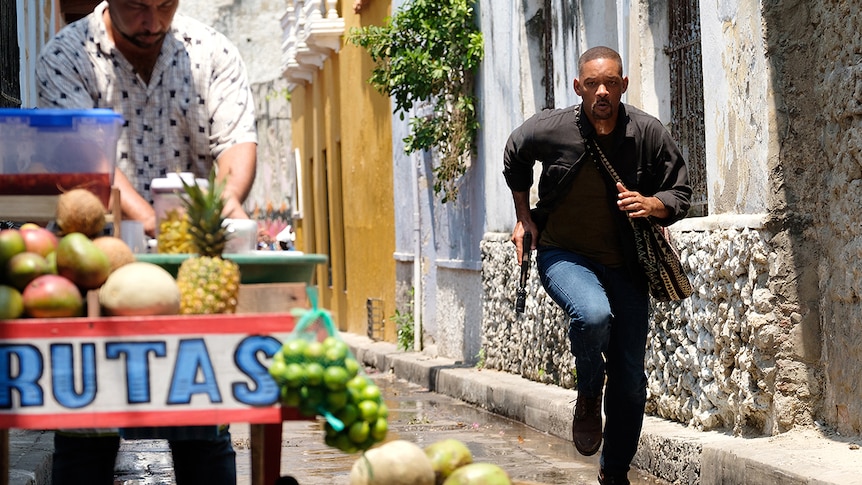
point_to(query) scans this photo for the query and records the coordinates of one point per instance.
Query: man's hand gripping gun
(526, 248)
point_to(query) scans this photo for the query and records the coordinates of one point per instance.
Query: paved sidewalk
(668, 450)
(30, 457)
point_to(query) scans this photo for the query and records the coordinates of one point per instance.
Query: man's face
(601, 86)
(143, 23)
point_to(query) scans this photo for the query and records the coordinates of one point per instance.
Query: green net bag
(318, 374)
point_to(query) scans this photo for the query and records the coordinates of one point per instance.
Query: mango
(82, 262)
(25, 267)
(52, 296)
(38, 240)
(11, 243)
(11, 303)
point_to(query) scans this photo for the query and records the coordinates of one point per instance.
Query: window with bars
(686, 79)
(10, 64)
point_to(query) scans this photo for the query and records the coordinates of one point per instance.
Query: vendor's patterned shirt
(198, 102)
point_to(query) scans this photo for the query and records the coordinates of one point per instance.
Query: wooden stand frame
(42, 209)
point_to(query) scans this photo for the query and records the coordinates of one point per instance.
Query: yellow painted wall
(343, 129)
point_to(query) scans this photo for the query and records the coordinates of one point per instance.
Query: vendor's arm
(237, 166)
(234, 132)
(134, 206)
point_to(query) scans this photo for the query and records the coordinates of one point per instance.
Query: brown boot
(587, 425)
(611, 479)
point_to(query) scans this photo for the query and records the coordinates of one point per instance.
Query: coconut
(446, 456)
(398, 462)
(79, 210)
(119, 253)
(479, 474)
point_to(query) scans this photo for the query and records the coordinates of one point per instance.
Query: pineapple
(174, 237)
(208, 284)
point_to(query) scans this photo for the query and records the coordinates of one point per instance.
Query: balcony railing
(312, 32)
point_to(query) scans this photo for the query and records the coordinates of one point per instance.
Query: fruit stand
(42, 208)
(41, 359)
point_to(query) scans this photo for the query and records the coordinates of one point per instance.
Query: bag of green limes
(318, 374)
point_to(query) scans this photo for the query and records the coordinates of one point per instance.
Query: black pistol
(526, 249)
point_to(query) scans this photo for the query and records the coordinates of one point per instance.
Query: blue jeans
(91, 460)
(608, 323)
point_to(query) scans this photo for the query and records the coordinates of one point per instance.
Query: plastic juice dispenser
(168, 193)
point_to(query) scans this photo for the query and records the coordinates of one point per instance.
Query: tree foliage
(428, 52)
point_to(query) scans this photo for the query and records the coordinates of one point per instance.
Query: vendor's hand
(518, 236)
(637, 205)
(150, 225)
(233, 209)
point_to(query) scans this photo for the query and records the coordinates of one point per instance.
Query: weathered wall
(274, 189)
(254, 27)
(458, 305)
(738, 107)
(834, 109)
(767, 342)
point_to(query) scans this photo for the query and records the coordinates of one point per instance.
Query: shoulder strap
(599, 155)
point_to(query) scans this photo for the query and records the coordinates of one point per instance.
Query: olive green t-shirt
(583, 221)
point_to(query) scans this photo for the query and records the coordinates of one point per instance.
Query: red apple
(38, 240)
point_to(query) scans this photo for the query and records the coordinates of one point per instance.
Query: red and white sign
(140, 371)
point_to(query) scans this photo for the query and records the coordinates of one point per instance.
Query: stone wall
(711, 358)
(533, 344)
(813, 50)
(714, 361)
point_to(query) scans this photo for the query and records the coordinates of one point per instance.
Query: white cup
(132, 233)
(241, 235)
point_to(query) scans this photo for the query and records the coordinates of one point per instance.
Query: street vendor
(180, 86)
(184, 94)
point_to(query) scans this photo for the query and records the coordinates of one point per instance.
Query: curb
(667, 450)
(30, 457)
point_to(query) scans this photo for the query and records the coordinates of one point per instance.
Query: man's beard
(137, 39)
(606, 111)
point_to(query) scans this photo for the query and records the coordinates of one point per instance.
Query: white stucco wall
(253, 25)
(509, 90)
(738, 105)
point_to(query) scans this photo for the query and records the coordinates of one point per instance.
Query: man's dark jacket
(644, 155)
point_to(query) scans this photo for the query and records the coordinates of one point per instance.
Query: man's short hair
(600, 52)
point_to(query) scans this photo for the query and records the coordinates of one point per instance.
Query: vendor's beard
(137, 42)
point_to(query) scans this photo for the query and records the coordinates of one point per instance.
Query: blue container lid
(60, 118)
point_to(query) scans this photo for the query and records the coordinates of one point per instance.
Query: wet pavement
(416, 415)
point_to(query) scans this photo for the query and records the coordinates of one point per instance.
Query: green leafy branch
(429, 52)
(404, 324)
